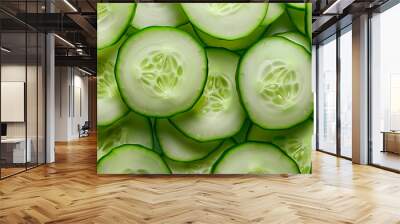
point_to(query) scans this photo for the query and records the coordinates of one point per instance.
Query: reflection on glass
(385, 84)
(31, 100)
(346, 94)
(14, 153)
(41, 99)
(22, 91)
(327, 96)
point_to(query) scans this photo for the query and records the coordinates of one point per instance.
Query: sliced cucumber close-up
(204, 88)
(228, 21)
(188, 28)
(131, 129)
(255, 158)
(297, 38)
(241, 136)
(178, 147)
(203, 166)
(275, 10)
(132, 159)
(112, 21)
(158, 14)
(110, 105)
(233, 45)
(218, 114)
(295, 142)
(300, 15)
(281, 25)
(161, 71)
(274, 82)
(309, 20)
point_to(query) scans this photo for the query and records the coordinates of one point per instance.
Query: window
(327, 96)
(385, 89)
(346, 92)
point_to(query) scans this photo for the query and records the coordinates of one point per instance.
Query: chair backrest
(86, 125)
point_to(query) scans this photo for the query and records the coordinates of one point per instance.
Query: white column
(360, 90)
(50, 98)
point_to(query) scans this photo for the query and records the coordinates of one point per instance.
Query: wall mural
(204, 88)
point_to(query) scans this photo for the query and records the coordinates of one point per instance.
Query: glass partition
(23, 90)
(14, 143)
(327, 95)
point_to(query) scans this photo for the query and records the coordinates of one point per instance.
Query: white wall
(70, 83)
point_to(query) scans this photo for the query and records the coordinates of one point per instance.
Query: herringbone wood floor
(69, 191)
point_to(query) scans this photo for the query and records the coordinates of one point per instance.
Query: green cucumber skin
(283, 24)
(111, 151)
(240, 95)
(156, 144)
(305, 10)
(276, 137)
(163, 151)
(270, 20)
(110, 53)
(300, 6)
(308, 20)
(117, 73)
(216, 138)
(127, 26)
(202, 166)
(225, 43)
(177, 25)
(196, 27)
(188, 28)
(237, 146)
(307, 48)
(241, 136)
(152, 146)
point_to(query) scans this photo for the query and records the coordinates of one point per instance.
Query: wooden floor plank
(69, 191)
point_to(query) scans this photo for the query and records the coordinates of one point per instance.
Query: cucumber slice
(309, 20)
(161, 71)
(188, 28)
(156, 144)
(298, 16)
(178, 147)
(255, 158)
(295, 142)
(275, 10)
(227, 21)
(110, 105)
(112, 21)
(233, 45)
(112, 51)
(274, 83)
(218, 114)
(281, 25)
(158, 14)
(131, 129)
(241, 136)
(202, 166)
(300, 6)
(132, 159)
(298, 38)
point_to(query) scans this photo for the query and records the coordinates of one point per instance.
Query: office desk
(391, 141)
(16, 147)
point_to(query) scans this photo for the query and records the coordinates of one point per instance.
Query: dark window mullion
(316, 120)
(338, 74)
(26, 88)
